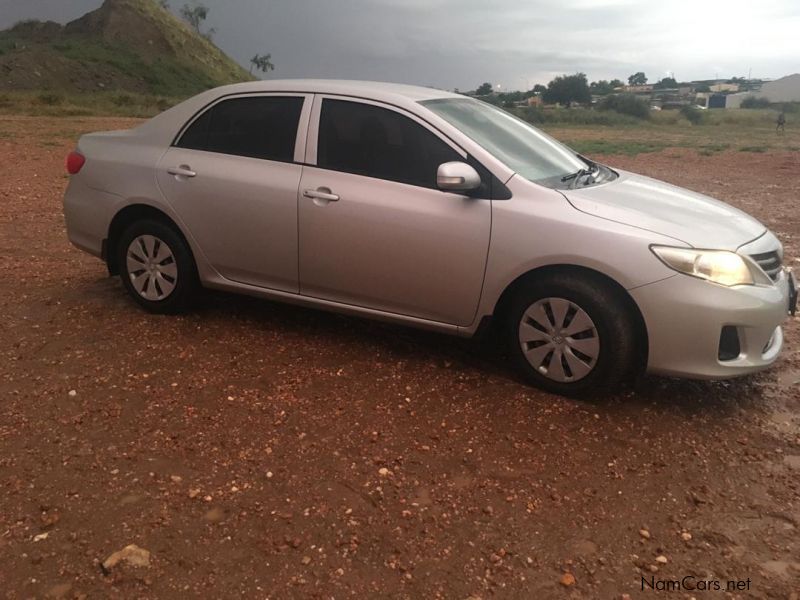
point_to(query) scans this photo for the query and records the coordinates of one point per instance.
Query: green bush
(572, 116)
(626, 104)
(123, 100)
(692, 114)
(753, 102)
(50, 98)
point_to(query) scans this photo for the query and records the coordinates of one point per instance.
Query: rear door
(232, 177)
(374, 229)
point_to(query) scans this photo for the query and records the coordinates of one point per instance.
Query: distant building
(638, 89)
(724, 87)
(710, 100)
(535, 100)
(785, 89)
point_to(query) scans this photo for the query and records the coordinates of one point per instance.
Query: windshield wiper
(576, 176)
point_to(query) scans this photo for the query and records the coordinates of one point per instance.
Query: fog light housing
(729, 348)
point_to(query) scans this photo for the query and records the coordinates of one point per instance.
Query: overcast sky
(514, 43)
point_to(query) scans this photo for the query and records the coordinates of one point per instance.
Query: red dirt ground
(243, 444)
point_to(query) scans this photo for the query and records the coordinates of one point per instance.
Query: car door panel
(393, 247)
(384, 244)
(235, 186)
(242, 212)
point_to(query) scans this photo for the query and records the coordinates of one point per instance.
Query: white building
(785, 89)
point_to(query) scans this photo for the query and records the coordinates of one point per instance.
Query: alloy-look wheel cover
(559, 339)
(152, 268)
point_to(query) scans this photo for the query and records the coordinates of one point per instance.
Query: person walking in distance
(781, 126)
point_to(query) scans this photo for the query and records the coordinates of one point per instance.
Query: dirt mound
(131, 45)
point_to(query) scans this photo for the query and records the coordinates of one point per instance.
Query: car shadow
(485, 358)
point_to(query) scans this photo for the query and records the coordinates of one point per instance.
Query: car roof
(375, 90)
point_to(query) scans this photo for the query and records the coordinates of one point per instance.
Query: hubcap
(559, 339)
(151, 267)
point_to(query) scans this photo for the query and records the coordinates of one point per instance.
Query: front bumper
(685, 315)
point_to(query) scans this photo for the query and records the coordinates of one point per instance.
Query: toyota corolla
(435, 210)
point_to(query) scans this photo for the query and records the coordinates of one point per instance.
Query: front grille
(770, 262)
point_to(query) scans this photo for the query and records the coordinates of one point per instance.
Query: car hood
(697, 220)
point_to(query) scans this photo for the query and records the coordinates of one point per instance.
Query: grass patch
(628, 148)
(710, 149)
(753, 149)
(573, 116)
(95, 104)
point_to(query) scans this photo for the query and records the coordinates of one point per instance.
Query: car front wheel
(156, 267)
(571, 335)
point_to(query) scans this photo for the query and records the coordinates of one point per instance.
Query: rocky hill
(130, 45)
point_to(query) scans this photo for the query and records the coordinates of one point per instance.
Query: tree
(194, 15)
(626, 104)
(484, 89)
(638, 78)
(601, 88)
(616, 83)
(754, 102)
(164, 4)
(566, 89)
(702, 88)
(539, 89)
(667, 82)
(262, 62)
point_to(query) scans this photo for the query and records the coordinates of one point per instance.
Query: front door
(232, 178)
(375, 231)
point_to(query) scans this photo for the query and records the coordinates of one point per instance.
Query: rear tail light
(75, 162)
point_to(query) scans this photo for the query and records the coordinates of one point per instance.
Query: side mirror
(457, 177)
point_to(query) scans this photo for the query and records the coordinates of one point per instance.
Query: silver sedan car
(435, 210)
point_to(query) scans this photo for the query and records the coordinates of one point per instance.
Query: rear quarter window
(259, 127)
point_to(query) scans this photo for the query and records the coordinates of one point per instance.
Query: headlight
(719, 266)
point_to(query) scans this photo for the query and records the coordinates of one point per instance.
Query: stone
(567, 580)
(59, 591)
(644, 533)
(131, 554)
(214, 515)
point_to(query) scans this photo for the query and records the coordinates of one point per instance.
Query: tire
(596, 341)
(167, 281)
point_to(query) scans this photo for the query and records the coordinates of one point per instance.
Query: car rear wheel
(156, 267)
(571, 335)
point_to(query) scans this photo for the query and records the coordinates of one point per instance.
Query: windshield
(523, 148)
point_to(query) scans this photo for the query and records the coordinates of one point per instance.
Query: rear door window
(378, 142)
(256, 127)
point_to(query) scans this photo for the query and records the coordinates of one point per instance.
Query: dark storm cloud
(516, 43)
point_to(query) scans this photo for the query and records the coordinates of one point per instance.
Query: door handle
(182, 171)
(321, 194)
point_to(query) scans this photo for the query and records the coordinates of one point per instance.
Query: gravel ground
(260, 450)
